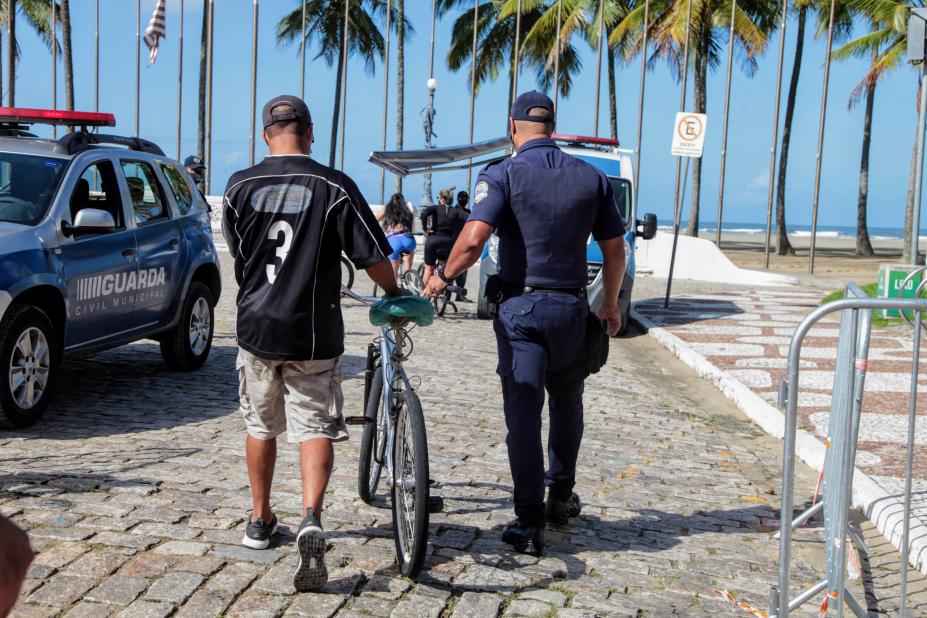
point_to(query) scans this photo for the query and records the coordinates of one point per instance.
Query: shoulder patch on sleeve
(480, 191)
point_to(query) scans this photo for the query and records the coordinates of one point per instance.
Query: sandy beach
(835, 261)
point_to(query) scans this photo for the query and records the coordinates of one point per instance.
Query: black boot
(525, 538)
(560, 511)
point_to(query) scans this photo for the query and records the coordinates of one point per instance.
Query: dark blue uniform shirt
(544, 205)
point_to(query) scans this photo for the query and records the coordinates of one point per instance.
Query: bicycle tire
(347, 271)
(413, 281)
(410, 530)
(369, 465)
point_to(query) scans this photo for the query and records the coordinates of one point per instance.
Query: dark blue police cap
(194, 162)
(530, 100)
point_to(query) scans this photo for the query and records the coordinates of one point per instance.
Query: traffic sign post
(688, 141)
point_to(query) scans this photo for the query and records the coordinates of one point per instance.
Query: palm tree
(495, 37)
(753, 21)
(400, 79)
(885, 46)
(38, 16)
(326, 26)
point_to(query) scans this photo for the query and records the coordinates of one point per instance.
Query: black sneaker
(525, 538)
(311, 574)
(258, 533)
(560, 511)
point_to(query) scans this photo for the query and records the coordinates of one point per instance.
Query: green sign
(891, 279)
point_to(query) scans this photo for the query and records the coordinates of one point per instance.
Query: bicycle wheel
(413, 281)
(347, 273)
(373, 442)
(410, 485)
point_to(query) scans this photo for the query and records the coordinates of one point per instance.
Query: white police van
(103, 240)
(602, 153)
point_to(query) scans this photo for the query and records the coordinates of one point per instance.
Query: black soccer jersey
(287, 220)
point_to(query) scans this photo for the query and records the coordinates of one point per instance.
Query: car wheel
(187, 347)
(29, 353)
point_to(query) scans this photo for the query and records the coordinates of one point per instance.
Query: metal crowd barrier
(842, 435)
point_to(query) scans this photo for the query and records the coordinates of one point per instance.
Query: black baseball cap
(530, 100)
(194, 162)
(300, 112)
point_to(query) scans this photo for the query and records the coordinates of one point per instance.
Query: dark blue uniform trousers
(537, 333)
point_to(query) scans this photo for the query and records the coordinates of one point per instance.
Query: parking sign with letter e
(689, 134)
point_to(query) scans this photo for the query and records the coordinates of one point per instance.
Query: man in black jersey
(287, 221)
(442, 224)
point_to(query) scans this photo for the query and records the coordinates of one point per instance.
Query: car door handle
(129, 252)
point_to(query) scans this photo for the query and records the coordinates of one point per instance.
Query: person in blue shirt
(543, 204)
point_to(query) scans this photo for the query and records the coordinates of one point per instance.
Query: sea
(824, 231)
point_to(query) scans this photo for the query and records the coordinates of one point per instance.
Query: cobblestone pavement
(134, 491)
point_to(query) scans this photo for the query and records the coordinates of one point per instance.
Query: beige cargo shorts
(302, 397)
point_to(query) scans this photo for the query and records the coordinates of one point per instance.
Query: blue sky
(750, 125)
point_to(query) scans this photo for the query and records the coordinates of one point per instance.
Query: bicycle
(409, 279)
(347, 273)
(441, 302)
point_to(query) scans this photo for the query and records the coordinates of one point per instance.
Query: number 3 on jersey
(282, 249)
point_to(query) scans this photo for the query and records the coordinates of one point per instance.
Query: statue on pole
(428, 122)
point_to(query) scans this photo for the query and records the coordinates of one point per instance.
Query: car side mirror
(89, 221)
(648, 226)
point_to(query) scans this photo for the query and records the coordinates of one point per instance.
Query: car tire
(187, 347)
(24, 329)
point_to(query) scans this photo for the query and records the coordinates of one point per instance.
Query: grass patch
(871, 290)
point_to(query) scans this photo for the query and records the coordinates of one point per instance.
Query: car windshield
(27, 186)
(622, 190)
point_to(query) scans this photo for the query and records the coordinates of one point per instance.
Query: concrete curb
(884, 510)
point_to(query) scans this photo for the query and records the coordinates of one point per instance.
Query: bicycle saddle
(402, 308)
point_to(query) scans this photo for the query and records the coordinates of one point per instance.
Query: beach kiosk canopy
(406, 162)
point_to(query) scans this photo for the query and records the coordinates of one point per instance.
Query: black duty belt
(517, 290)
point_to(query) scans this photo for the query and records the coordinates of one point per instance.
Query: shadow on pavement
(686, 310)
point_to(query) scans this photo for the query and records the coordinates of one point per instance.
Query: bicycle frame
(394, 380)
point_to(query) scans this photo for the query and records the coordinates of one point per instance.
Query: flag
(155, 30)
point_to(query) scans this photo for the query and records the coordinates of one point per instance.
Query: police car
(605, 155)
(103, 240)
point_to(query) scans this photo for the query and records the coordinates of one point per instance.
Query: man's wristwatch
(444, 277)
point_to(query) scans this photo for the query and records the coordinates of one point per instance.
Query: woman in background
(397, 220)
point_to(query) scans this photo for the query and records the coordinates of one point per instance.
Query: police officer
(543, 204)
(195, 167)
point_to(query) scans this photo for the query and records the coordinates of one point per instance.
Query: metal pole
(598, 69)
(207, 184)
(517, 49)
(640, 104)
(557, 55)
(820, 157)
(775, 137)
(429, 112)
(179, 81)
(54, 36)
(138, 60)
(389, 21)
(476, 20)
(678, 201)
(302, 56)
(11, 54)
(727, 110)
(909, 464)
(919, 170)
(344, 78)
(96, 61)
(254, 55)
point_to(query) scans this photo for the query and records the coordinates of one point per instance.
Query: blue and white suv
(103, 240)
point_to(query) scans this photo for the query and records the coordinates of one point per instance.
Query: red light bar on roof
(582, 139)
(56, 116)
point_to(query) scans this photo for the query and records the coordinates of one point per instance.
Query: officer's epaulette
(494, 163)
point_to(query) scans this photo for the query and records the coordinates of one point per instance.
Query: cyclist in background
(396, 220)
(442, 224)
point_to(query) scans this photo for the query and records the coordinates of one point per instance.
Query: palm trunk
(863, 246)
(11, 56)
(400, 79)
(67, 54)
(909, 202)
(201, 112)
(701, 95)
(336, 108)
(783, 246)
(612, 103)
